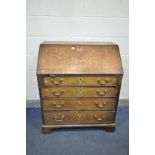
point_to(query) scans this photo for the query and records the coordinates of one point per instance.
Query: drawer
(79, 104)
(80, 92)
(80, 81)
(78, 117)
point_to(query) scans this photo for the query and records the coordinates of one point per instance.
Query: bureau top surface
(79, 58)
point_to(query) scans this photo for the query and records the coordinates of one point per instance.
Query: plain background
(75, 20)
(13, 77)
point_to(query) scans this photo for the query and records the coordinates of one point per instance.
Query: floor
(79, 141)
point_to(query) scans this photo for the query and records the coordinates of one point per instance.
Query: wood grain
(78, 80)
(79, 59)
(79, 92)
(79, 104)
(79, 84)
(78, 117)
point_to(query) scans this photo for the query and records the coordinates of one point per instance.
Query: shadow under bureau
(79, 84)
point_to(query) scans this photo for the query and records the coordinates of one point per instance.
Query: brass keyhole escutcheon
(80, 91)
(80, 80)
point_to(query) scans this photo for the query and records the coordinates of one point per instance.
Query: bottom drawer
(78, 117)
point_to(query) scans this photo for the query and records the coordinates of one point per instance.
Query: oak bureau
(79, 84)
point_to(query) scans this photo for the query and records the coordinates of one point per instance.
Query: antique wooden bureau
(79, 84)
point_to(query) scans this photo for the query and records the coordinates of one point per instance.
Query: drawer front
(79, 104)
(81, 81)
(78, 117)
(79, 92)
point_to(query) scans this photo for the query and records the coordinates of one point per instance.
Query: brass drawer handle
(57, 81)
(102, 82)
(79, 103)
(100, 105)
(58, 105)
(59, 119)
(99, 118)
(79, 115)
(101, 93)
(58, 93)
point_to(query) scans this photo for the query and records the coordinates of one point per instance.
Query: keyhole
(80, 91)
(80, 80)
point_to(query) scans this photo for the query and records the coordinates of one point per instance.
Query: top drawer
(80, 80)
